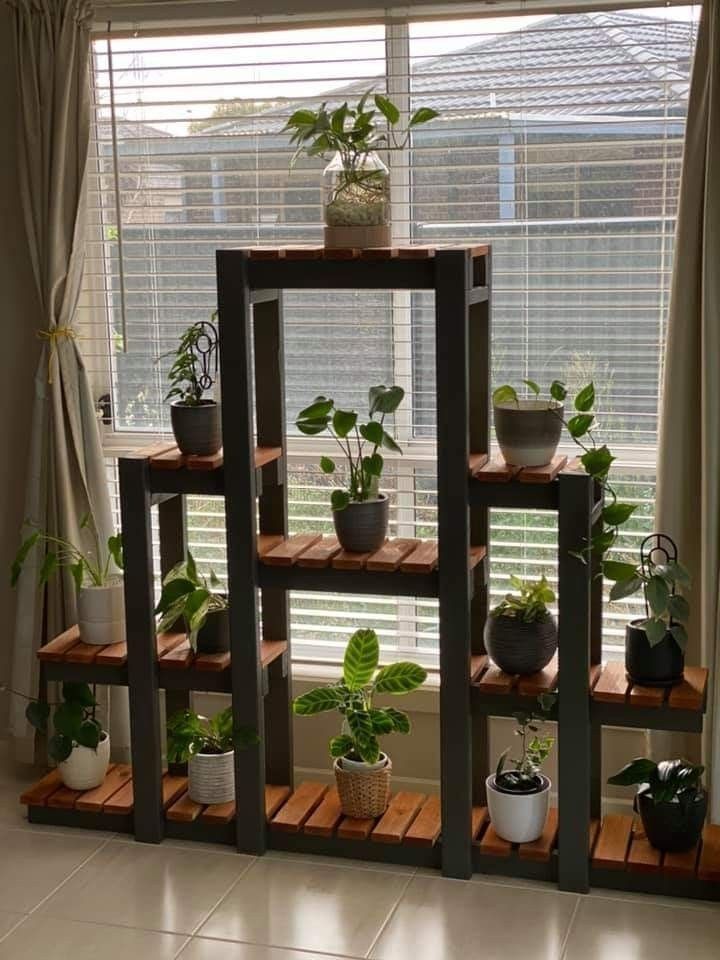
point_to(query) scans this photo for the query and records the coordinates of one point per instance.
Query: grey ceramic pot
(518, 647)
(215, 634)
(197, 427)
(362, 527)
(528, 433)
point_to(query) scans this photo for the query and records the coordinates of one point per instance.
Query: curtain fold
(65, 475)
(688, 506)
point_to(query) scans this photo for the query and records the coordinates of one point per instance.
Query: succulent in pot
(362, 772)
(520, 632)
(199, 603)
(97, 572)
(207, 746)
(356, 181)
(518, 798)
(670, 800)
(654, 644)
(195, 418)
(360, 511)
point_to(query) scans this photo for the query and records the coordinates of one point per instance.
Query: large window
(559, 141)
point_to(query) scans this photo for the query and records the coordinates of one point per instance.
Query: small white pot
(85, 768)
(101, 613)
(358, 766)
(211, 777)
(518, 817)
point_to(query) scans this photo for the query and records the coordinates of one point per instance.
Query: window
(559, 140)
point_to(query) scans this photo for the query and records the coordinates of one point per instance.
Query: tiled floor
(66, 893)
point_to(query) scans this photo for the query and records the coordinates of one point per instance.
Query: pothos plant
(530, 602)
(524, 777)
(188, 380)
(190, 597)
(668, 611)
(360, 442)
(596, 458)
(189, 733)
(669, 781)
(352, 697)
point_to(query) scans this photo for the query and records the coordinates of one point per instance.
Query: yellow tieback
(52, 336)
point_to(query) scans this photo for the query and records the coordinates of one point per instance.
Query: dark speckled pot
(518, 647)
(362, 527)
(197, 427)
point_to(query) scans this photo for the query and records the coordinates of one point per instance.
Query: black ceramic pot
(673, 827)
(362, 527)
(197, 427)
(214, 637)
(658, 666)
(519, 647)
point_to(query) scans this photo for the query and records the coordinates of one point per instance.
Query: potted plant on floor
(362, 772)
(655, 644)
(360, 511)
(520, 632)
(97, 575)
(198, 602)
(356, 182)
(670, 800)
(518, 798)
(195, 419)
(208, 747)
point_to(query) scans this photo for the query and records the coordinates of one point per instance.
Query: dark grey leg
(173, 546)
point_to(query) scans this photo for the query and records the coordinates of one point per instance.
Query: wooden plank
(348, 560)
(394, 823)
(595, 672)
(613, 842)
(64, 798)
(166, 642)
(219, 812)
(355, 828)
(326, 817)
(479, 819)
(543, 681)
(495, 680)
(594, 831)
(477, 554)
(275, 797)
(416, 252)
(122, 801)
(478, 662)
(681, 864)
(170, 460)
(542, 848)
(422, 560)
(492, 845)
(425, 829)
(206, 463)
(270, 650)
(285, 554)
(378, 253)
(172, 789)
(38, 793)
(212, 662)
(320, 554)
(389, 557)
(612, 685)
(93, 801)
(267, 542)
(640, 696)
(303, 253)
(292, 816)
(184, 810)
(114, 655)
(642, 857)
(543, 474)
(709, 864)
(265, 455)
(476, 461)
(340, 253)
(83, 653)
(265, 253)
(152, 450)
(56, 650)
(179, 658)
(690, 694)
(496, 471)
(481, 250)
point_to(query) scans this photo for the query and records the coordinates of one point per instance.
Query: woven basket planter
(363, 795)
(211, 777)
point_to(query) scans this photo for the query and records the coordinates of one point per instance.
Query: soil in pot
(101, 613)
(197, 427)
(211, 777)
(518, 647)
(528, 432)
(518, 817)
(362, 526)
(215, 634)
(673, 827)
(364, 788)
(658, 666)
(85, 768)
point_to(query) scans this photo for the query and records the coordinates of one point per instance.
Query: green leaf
(361, 659)
(319, 700)
(362, 732)
(586, 398)
(639, 770)
(191, 568)
(339, 499)
(680, 635)
(319, 409)
(37, 713)
(387, 108)
(655, 630)
(343, 422)
(618, 513)
(78, 693)
(389, 443)
(401, 721)
(173, 591)
(679, 607)
(327, 465)
(59, 747)
(533, 386)
(48, 568)
(673, 573)
(422, 115)
(301, 118)
(381, 722)
(374, 465)
(67, 719)
(597, 462)
(341, 746)
(88, 734)
(558, 391)
(78, 570)
(21, 556)
(579, 425)
(385, 399)
(657, 594)
(116, 550)
(337, 120)
(400, 678)
(312, 427)
(504, 394)
(372, 432)
(85, 521)
(614, 570)
(624, 588)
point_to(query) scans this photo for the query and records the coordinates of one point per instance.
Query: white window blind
(559, 142)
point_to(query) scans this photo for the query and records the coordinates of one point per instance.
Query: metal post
(452, 278)
(596, 625)
(239, 465)
(173, 547)
(574, 622)
(135, 502)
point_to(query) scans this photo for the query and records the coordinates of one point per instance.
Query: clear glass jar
(357, 196)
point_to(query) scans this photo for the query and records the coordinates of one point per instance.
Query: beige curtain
(689, 467)
(66, 476)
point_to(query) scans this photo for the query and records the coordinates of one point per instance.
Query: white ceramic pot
(357, 766)
(101, 613)
(211, 777)
(85, 768)
(518, 817)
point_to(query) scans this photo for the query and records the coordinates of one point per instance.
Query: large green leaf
(615, 570)
(327, 465)
(534, 387)
(59, 747)
(88, 734)
(639, 770)
(37, 713)
(401, 721)
(558, 391)
(679, 607)
(339, 499)
(586, 398)
(319, 408)
(618, 513)
(385, 399)
(387, 108)
(579, 425)
(361, 659)
(400, 678)
(381, 721)
(21, 556)
(67, 719)
(389, 443)
(341, 746)
(597, 461)
(172, 591)
(361, 728)
(372, 432)
(655, 630)
(116, 550)
(312, 427)
(79, 693)
(317, 701)
(504, 394)
(344, 421)
(48, 568)
(625, 588)
(657, 594)
(680, 635)
(422, 115)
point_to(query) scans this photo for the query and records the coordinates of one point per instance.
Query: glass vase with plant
(195, 418)
(199, 603)
(520, 632)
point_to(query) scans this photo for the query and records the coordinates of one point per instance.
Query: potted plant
(208, 747)
(197, 601)
(100, 594)
(195, 419)
(356, 182)
(360, 511)
(670, 800)
(655, 644)
(362, 772)
(520, 632)
(518, 798)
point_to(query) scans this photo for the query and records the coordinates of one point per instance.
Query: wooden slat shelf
(496, 470)
(487, 678)
(488, 844)
(415, 252)
(168, 457)
(617, 700)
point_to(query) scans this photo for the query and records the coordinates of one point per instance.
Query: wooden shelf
(616, 701)
(487, 678)
(488, 844)
(498, 471)
(168, 457)
(416, 252)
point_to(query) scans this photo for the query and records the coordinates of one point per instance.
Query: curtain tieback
(52, 337)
